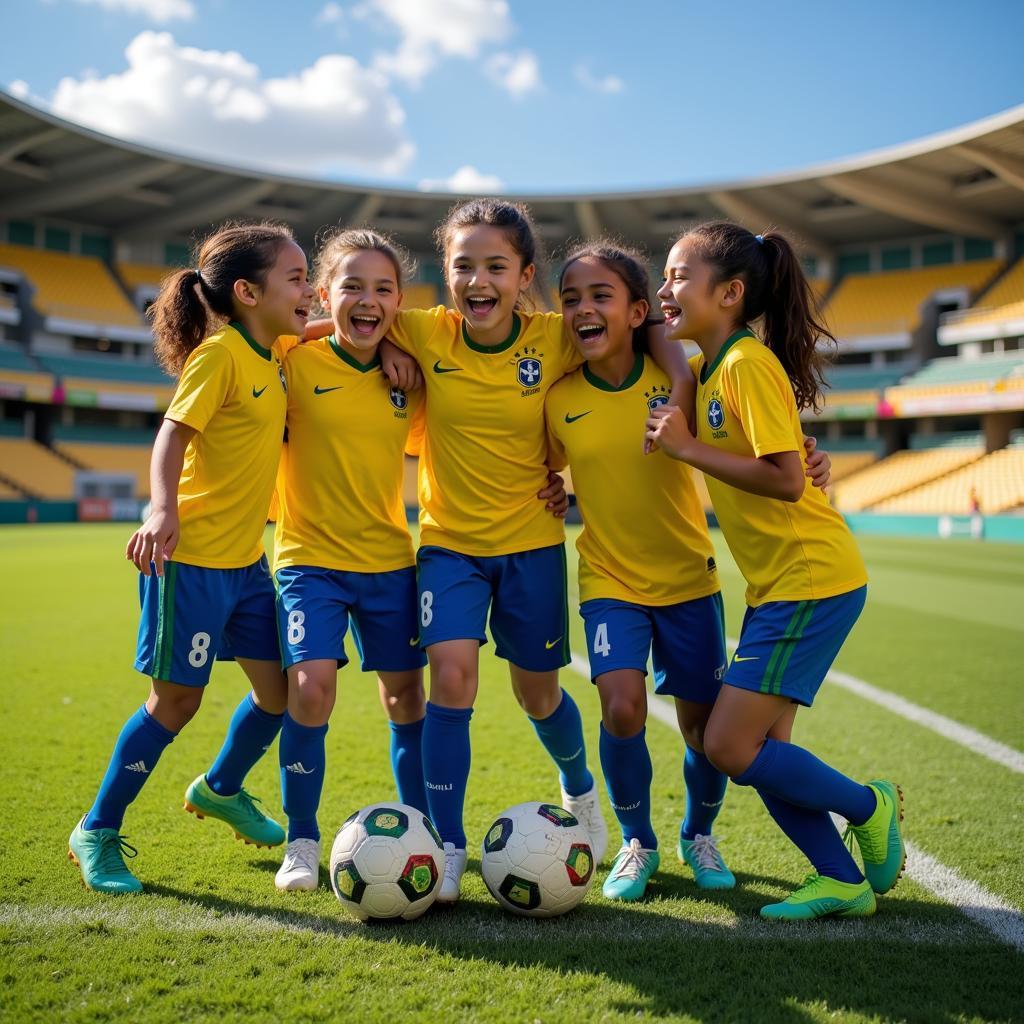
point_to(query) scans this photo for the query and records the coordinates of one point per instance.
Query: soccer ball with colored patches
(387, 862)
(537, 860)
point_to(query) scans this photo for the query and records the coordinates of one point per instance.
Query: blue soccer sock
(705, 792)
(303, 757)
(798, 777)
(407, 763)
(138, 748)
(446, 757)
(562, 735)
(626, 764)
(251, 731)
(816, 837)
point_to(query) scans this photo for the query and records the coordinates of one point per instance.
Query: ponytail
(193, 302)
(776, 291)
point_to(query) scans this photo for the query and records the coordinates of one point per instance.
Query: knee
(624, 715)
(174, 710)
(451, 682)
(539, 702)
(693, 736)
(406, 705)
(724, 753)
(313, 699)
(273, 700)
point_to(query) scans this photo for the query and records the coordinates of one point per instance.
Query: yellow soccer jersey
(485, 450)
(645, 537)
(340, 482)
(787, 551)
(232, 391)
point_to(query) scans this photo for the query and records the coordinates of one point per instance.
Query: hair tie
(199, 276)
(759, 239)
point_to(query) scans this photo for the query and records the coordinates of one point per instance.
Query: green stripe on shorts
(780, 671)
(779, 651)
(165, 623)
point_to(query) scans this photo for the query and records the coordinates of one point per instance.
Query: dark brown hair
(234, 252)
(777, 292)
(515, 222)
(337, 244)
(630, 265)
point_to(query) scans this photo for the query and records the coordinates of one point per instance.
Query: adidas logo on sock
(571, 757)
(138, 766)
(298, 769)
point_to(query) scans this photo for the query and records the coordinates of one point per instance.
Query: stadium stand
(35, 469)
(960, 378)
(906, 470)
(107, 368)
(419, 296)
(71, 287)
(142, 275)
(890, 302)
(1003, 301)
(9, 493)
(112, 458)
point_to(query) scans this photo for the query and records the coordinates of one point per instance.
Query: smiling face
(282, 303)
(598, 311)
(486, 277)
(363, 298)
(693, 304)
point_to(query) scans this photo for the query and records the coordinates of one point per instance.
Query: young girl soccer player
(342, 547)
(647, 569)
(205, 587)
(806, 583)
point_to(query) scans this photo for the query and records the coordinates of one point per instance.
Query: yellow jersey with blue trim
(485, 450)
(232, 393)
(787, 551)
(339, 486)
(645, 537)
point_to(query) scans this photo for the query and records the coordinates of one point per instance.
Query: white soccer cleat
(300, 869)
(586, 808)
(454, 869)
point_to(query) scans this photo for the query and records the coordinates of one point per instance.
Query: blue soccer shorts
(192, 615)
(686, 642)
(787, 647)
(526, 594)
(315, 606)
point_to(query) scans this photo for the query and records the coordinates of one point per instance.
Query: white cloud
(333, 113)
(330, 14)
(432, 29)
(608, 84)
(160, 11)
(467, 180)
(19, 89)
(518, 74)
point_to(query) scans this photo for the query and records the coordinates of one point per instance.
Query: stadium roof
(969, 181)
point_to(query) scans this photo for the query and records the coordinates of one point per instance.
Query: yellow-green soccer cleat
(880, 838)
(250, 824)
(820, 896)
(99, 853)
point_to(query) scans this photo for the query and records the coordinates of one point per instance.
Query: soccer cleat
(240, 812)
(880, 838)
(703, 856)
(100, 853)
(820, 896)
(454, 869)
(587, 809)
(300, 869)
(630, 873)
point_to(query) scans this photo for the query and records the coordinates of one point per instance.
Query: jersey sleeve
(417, 426)
(285, 343)
(412, 329)
(206, 381)
(762, 397)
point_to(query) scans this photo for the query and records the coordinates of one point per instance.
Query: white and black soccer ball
(387, 862)
(537, 860)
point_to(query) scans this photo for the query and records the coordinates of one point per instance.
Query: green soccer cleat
(630, 873)
(820, 896)
(100, 853)
(709, 870)
(880, 838)
(240, 812)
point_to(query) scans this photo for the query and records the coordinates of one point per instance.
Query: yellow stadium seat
(143, 275)
(1004, 300)
(112, 458)
(36, 469)
(71, 287)
(9, 493)
(890, 302)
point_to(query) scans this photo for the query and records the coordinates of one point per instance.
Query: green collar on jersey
(346, 357)
(517, 326)
(709, 368)
(253, 343)
(603, 385)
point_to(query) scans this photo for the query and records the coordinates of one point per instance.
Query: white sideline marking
(1004, 921)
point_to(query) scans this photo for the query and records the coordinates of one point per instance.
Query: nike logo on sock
(138, 766)
(298, 769)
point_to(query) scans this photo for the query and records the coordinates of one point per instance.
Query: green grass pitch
(212, 939)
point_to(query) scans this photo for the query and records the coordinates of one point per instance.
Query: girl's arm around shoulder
(671, 357)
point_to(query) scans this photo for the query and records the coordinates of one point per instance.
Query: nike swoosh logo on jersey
(255, 393)
(413, 641)
(573, 419)
(438, 368)
(737, 657)
(323, 391)
(548, 644)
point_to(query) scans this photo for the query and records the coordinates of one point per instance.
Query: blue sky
(517, 95)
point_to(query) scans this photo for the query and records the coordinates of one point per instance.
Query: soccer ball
(386, 862)
(537, 860)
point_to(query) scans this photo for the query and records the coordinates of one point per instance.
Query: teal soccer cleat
(630, 873)
(240, 812)
(703, 856)
(100, 853)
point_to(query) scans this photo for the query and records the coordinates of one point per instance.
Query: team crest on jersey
(284, 382)
(398, 399)
(656, 396)
(716, 414)
(529, 369)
